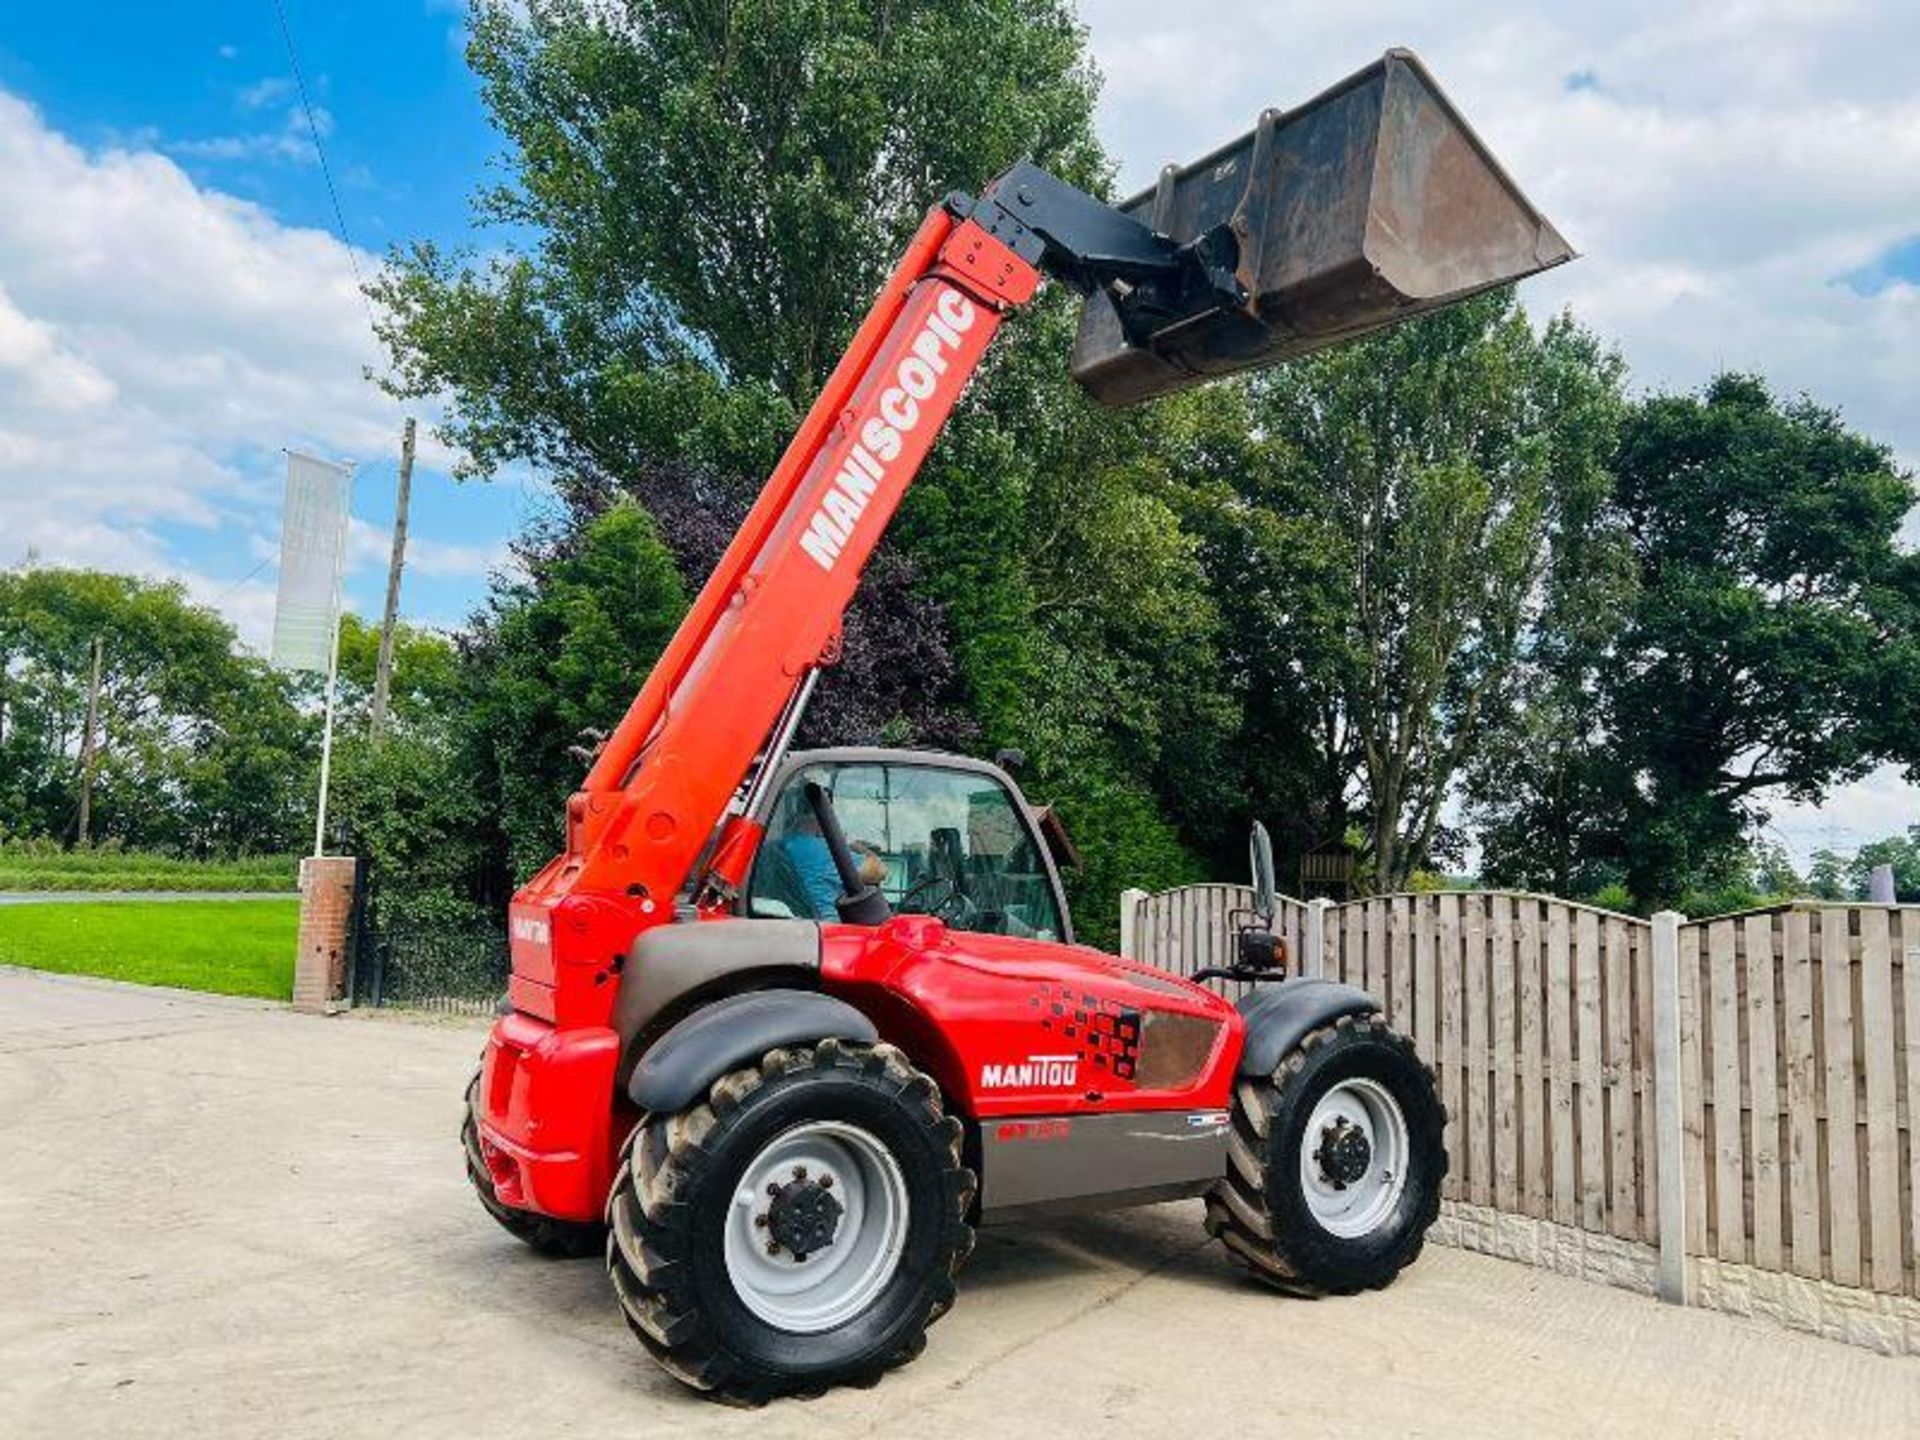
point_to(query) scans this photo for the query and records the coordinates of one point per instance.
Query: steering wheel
(940, 896)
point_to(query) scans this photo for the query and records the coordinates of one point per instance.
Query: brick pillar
(326, 925)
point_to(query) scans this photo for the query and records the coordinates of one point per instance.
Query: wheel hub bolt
(1343, 1153)
(804, 1217)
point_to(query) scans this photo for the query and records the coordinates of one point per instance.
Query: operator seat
(776, 878)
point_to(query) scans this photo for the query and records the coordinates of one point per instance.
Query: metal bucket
(1371, 203)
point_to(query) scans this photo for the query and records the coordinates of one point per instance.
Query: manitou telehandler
(782, 1029)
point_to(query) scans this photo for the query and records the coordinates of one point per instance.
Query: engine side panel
(1013, 1027)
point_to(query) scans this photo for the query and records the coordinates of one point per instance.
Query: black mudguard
(1280, 1016)
(678, 1067)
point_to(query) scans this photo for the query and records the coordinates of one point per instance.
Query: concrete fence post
(1131, 900)
(326, 925)
(1314, 961)
(1669, 1108)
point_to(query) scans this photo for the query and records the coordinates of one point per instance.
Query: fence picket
(1623, 1203)
(1798, 1059)
(1353, 947)
(1399, 964)
(1506, 1133)
(1763, 1083)
(1883, 1136)
(1533, 1098)
(1452, 1073)
(1426, 993)
(1729, 1153)
(1478, 1092)
(1840, 1091)
(1593, 1140)
(1560, 1064)
(1374, 931)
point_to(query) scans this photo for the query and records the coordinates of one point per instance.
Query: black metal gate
(419, 961)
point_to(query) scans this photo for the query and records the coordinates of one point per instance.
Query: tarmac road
(218, 1218)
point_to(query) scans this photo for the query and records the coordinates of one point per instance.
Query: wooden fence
(1767, 1063)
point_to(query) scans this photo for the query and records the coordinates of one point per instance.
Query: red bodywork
(966, 1007)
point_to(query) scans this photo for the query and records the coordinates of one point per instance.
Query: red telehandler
(782, 1028)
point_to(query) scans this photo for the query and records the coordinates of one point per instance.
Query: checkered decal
(1105, 1032)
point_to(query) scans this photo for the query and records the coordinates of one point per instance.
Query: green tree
(1827, 877)
(425, 681)
(559, 654)
(702, 201)
(411, 806)
(1773, 646)
(200, 749)
(1446, 475)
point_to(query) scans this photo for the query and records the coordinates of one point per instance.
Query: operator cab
(941, 835)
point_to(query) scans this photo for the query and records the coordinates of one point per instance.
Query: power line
(227, 593)
(326, 170)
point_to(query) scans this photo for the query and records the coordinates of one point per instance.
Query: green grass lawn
(230, 947)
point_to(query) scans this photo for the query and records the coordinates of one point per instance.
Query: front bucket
(1371, 203)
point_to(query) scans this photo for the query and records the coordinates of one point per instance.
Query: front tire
(798, 1229)
(1334, 1164)
(561, 1239)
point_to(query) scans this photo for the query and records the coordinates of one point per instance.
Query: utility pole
(383, 673)
(87, 747)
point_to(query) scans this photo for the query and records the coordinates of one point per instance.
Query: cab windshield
(948, 843)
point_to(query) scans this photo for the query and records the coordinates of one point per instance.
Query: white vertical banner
(313, 547)
(306, 612)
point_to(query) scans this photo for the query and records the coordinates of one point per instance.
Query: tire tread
(1239, 1210)
(647, 1233)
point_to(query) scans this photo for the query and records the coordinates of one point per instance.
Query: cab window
(949, 843)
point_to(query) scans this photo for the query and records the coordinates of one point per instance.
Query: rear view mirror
(1369, 204)
(1266, 895)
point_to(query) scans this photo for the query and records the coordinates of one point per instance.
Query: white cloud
(158, 343)
(268, 90)
(1719, 163)
(42, 371)
(293, 141)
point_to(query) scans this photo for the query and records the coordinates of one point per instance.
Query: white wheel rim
(833, 1284)
(1348, 1205)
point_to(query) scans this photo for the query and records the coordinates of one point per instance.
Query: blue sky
(209, 86)
(1742, 177)
(409, 136)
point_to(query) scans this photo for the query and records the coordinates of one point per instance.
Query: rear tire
(1334, 1164)
(561, 1239)
(711, 1273)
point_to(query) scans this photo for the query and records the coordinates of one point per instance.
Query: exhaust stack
(1369, 204)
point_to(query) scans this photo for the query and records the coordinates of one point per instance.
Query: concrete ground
(222, 1219)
